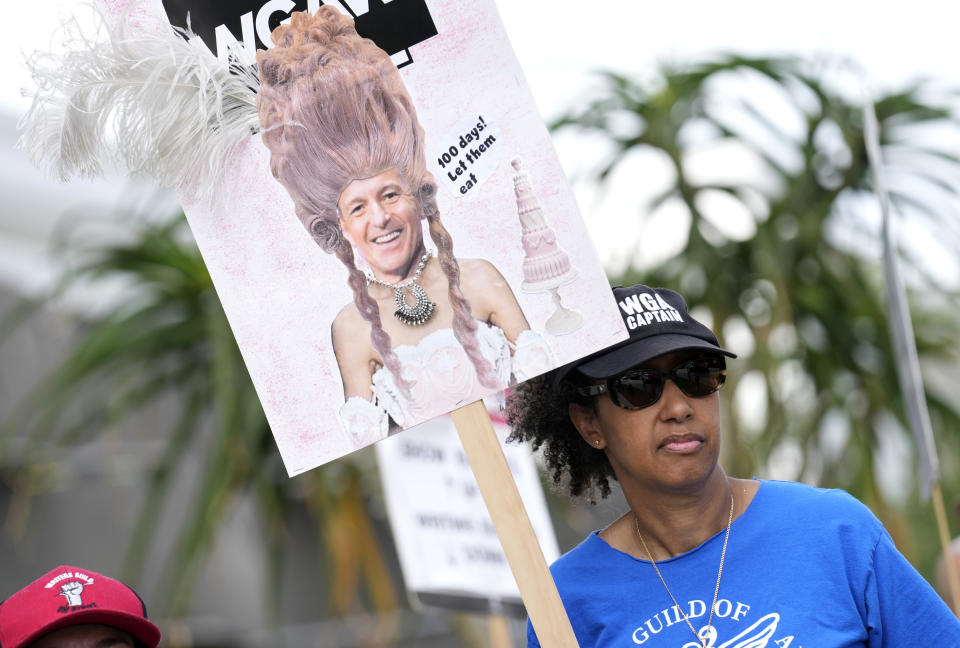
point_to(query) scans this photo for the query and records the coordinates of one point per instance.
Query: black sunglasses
(639, 388)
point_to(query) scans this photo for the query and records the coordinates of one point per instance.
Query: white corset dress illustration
(443, 378)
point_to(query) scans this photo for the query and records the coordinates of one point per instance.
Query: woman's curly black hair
(537, 412)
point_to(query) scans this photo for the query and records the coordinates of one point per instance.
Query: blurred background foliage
(167, 342)
(797, 290)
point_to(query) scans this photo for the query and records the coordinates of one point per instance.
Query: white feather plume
(156, 99)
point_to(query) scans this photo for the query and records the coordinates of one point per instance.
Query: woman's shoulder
(588, 567)
(591, 553)
(349, 325)
(804, 493)
(816, 505)
(479, 269)
(481, 284)
(481, 281)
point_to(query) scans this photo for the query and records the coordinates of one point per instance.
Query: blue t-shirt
(805, 568)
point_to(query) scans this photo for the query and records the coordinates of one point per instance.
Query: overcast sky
(560, 42)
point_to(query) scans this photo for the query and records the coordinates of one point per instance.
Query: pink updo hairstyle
(334, 109)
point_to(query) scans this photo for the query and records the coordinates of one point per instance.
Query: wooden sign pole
(510, 519)
(953, 581)
(499, 630)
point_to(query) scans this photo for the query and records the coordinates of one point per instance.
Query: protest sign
(434, 183)
(387, 227)
(448, 547)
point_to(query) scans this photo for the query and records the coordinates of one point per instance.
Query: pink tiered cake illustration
(546, 266)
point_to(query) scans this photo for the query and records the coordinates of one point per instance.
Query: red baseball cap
(69, 596)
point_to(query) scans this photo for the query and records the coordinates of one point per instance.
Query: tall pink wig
(334, 109)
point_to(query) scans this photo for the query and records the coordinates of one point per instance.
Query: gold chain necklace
(716, 590)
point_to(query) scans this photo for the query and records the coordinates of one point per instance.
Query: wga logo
(394, 25)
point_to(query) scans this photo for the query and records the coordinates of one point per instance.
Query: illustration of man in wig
(425, 332)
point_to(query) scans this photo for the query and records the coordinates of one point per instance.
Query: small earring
(596, 442)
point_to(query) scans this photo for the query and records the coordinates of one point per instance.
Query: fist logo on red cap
(71, 586)
(71, 591)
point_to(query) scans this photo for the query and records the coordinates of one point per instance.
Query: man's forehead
(86, 635)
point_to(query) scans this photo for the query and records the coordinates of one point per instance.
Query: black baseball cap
(658, 322)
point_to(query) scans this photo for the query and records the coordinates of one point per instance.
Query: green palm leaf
(167, 345)
(814, 306)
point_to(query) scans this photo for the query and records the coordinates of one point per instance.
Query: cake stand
(563, 321)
